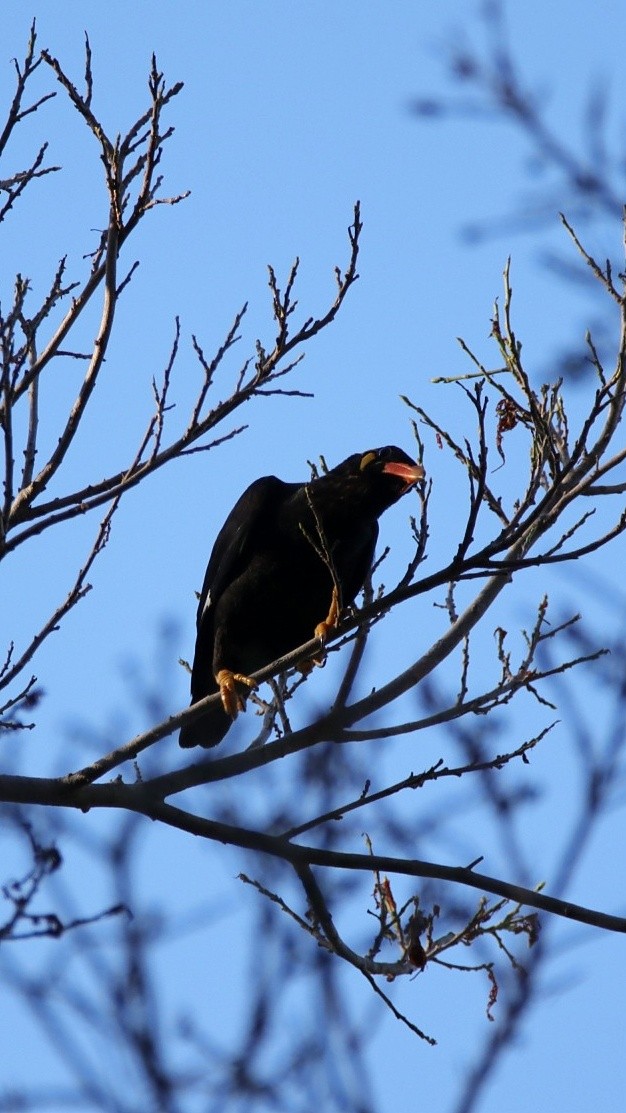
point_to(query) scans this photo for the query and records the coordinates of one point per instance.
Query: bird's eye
(367, 460)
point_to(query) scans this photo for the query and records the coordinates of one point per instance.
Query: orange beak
(410, 473)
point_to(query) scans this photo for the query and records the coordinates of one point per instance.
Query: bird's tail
(208, 730)
(211, 727)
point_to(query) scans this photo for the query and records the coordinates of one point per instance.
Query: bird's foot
(232, 700)
(323, 629)
(305, 667)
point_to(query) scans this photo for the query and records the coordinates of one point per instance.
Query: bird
(288, 560)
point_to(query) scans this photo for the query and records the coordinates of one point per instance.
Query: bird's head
(391, 462)
(373, 480)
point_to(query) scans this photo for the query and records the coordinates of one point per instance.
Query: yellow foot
(323, 629)
(310, 663)
(232, 701)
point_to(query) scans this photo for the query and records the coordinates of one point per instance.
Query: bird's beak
(410, 473)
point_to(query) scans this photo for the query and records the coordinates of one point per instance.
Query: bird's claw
(232, 700)
(323, 629)
(305, 667)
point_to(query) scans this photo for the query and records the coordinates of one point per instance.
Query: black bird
(288, 559)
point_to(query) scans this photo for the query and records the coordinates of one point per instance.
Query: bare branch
(79, 589)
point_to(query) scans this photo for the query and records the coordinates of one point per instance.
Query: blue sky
(289, 114)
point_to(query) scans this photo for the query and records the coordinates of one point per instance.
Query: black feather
(270, 577)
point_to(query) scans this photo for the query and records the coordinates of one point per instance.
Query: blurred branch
(494, 88)
(23, 922)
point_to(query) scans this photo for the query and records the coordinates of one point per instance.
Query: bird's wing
(237, 539)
